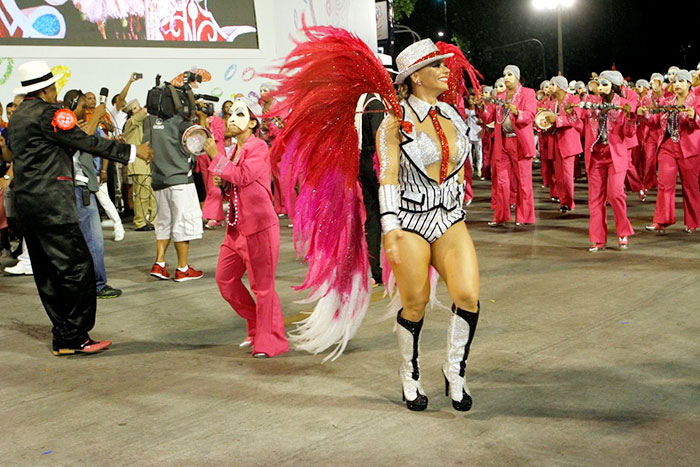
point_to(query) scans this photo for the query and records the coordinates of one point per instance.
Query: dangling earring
(419, 83)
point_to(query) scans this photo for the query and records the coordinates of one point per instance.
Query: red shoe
(160, 272)
(89, 346)
(189, 275)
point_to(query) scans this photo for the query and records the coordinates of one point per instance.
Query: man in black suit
(44, 137)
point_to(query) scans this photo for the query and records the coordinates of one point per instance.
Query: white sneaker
(118, 233)
(19, 269)
(107, 223)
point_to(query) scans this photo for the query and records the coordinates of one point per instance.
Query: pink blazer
(689, 128)
(569, 127)
(250, 177)
(651, 133)
(526, 103)
(620, 129)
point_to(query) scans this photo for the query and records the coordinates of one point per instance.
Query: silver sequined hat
(416, 56)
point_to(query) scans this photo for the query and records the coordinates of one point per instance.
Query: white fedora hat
(416, 56)
(35, 76)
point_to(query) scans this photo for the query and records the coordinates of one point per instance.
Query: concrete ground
(579, 359)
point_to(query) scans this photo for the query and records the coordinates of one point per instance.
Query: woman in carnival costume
(422, 147)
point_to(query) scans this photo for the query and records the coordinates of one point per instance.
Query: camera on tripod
(167, 100)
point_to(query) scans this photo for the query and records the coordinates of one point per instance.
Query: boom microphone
(206, 97)
(104, 92)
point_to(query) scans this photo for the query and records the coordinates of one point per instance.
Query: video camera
(167, 100)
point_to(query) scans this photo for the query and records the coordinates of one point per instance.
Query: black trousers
(373, 228)
(65, 277)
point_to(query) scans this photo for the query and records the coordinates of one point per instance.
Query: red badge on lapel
(64, 119)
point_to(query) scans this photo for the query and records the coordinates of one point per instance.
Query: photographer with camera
(172, 111)
(44, 136)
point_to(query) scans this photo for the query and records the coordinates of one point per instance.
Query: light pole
(559, 5)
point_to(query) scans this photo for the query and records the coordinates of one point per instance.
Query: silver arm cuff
(389, 207)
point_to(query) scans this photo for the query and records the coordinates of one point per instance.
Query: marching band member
(514, 148)
(639, 157)
(679, 149)
(546, 143)
(607, 159)
(567, 141)
(486, 140)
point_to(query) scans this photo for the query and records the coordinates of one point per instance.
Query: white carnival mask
(240, 115)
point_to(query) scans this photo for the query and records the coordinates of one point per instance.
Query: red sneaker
(160, 272)
(89, 346)
(189, 275)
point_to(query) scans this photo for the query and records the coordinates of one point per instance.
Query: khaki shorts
(179, 217)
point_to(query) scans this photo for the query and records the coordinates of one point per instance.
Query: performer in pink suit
(567, 141)
(252, 235)
(679, 148)
(546, 144)
(607, 159)
(269, 129)
(213, 209)
(514, 148)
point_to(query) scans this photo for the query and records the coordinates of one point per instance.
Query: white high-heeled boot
(408, 333)
(460, 334)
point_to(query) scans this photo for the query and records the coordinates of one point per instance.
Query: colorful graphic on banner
(64, 79)
(6, 67)
(141, 23)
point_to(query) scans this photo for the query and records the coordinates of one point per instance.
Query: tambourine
(541, 121)
(193, 139)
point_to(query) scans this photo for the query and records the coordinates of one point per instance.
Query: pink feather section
(458, 65)
(321, 81)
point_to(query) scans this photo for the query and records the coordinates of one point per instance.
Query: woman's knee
(466, 298)
(414, 306)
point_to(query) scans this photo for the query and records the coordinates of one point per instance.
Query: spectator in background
(104, 129)
(213, 208)
(10, 109)
(85, 186)
(139, 172)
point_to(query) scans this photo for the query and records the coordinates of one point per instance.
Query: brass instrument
(496, 100)
(599, 106)
(667, 109)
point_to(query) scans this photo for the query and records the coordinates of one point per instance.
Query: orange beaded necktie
(443, 144)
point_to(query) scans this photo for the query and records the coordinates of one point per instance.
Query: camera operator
(44, 137)
(179, 216)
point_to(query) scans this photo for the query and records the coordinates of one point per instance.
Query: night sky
(597, 34)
